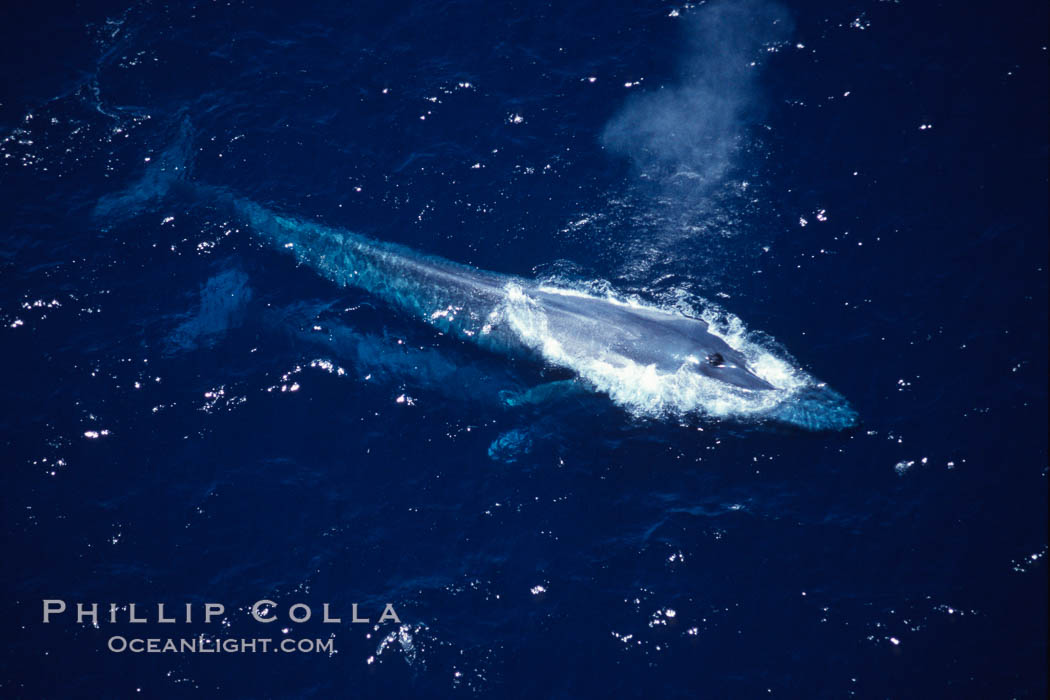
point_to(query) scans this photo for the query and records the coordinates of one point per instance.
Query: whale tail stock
(162, 173)
(171, 170)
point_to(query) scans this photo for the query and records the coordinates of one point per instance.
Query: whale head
(713, 358)
(587, 326)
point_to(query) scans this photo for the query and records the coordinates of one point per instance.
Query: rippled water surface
(852, 195)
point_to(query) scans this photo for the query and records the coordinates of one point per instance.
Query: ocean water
(852, 193)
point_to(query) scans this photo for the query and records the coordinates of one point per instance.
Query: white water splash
(647, 391)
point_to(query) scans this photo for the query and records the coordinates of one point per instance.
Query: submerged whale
(651, 360)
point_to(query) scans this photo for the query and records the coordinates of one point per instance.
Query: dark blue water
(190, 417)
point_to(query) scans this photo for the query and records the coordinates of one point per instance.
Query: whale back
(455, 298)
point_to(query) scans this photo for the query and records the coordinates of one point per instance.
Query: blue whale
(505, 313)
(651, 360)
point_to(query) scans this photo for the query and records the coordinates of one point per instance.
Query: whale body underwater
(652, 361)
